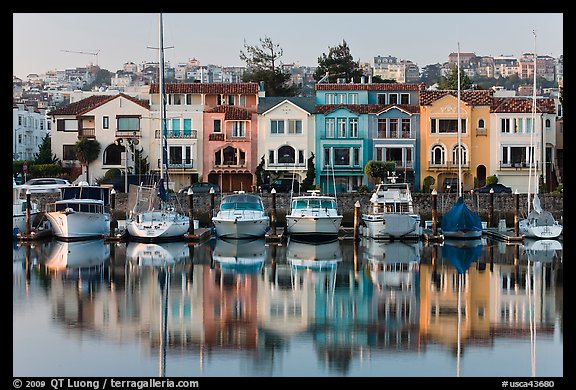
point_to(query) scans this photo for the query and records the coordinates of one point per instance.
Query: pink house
(230, 135)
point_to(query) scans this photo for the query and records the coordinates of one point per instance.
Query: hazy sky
(217, 38)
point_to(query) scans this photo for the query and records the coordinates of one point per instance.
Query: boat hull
(158, 226)
(544, 231)
(78, 225)
(462, 234)
(241, 228)
(392, 226)
(19, 223)
(314, 227)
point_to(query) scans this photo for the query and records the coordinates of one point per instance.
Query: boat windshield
(313, 204)
(241, 202)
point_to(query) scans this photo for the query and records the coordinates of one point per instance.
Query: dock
(502, 235)
(278, 237)
(199, 235)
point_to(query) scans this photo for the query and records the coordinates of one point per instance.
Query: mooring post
(356, 220)
(211, 203)
(190, 211)
(113, 223)
(28, 194)
(273, 216)
(491, 207)
(516, 213)
(434, 204)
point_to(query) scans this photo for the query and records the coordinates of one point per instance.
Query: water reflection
(245, 307)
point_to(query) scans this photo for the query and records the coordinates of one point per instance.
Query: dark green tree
(87, 150)
(44, 155)
(450, 81)
(379, 169)
(338, 63)
(260, 172)
(431, 74)
(308, 182)
(141, 164)
(379, 80)
(263, 63)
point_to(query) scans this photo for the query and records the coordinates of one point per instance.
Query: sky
(218, 38)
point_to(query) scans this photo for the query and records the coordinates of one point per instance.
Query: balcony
(216, 137)
(518, 165)
(481, 132)
(447, 165)
(134, 134)
(87, 132)
(180, 134)
(175, 167)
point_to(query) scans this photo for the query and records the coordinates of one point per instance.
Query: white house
(29, 126)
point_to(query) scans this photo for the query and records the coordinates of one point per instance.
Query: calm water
(245, 308)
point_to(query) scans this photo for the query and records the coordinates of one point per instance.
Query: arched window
(438, 155)
(113, 155)
(547, 123)
(229, 156)
(286, 155)
(480, 123)
(463, 154)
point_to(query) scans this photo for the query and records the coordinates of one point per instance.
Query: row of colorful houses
(222, 132)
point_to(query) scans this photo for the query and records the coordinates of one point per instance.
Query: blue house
(359, 122)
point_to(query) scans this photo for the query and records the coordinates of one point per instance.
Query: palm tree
(87, 150)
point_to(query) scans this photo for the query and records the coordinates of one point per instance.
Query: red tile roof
(368, 87)
(85, 105)
(522, 105)
(365, 108)
(471, 97)
(209, 88)
(232, 112)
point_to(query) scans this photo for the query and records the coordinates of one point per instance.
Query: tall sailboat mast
(532, 151)
(161, 89)
(459, 131)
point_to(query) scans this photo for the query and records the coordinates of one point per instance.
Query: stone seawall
(503, 205)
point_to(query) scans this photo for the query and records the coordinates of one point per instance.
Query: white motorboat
(391, 213)
(81, 213)
(241, 215)
(19, 206)
(314, 217)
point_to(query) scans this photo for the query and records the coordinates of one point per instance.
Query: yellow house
(439, 138)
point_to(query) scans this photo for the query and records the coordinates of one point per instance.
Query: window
(67, 125)
(393, 127)
(529, 125)
(177, 99)
(341, 127)
(330, 127)
(405, 128)
(300, 157)
(277, 126)
(175, 155)
(217, 126)
(341, 156)
(175, 123)
(505, 125)
(230, 100)
(19, 120)
(356, 156)
(463, 155)
(326, 156)
(382, 128)
(547, 123)
(393, 98)
(404, 98)
(187, 126)
(188, 99)
(128, 123)
(353, 127)
(330, 98)
(238, 129)
(294, 126)
(68, 152)
(113, 155)
(379, 154)
(447, 125)
(517, 156)
(270, 157)
(243, 100)
(341, 98)
(437, 156)
(286, 155)
(480, 123)
(381, 98)
(353, 98)
(105, 122)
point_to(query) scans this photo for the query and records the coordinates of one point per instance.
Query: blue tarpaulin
(462, 254)
(461, 218)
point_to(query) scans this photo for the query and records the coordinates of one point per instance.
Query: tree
(339, 63)
(263, 65)
(308, 182)
(259, 172)
(87, 150)
(431, 74)
(44, 155)
(379, 169)
(450, 81)
(141, 164)
(379, 80)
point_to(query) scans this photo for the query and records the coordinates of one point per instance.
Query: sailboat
(539, 223)
(461, 222)
(164, 223)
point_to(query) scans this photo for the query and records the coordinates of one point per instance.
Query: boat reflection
(240, 255)
(315, 256)
(155, 255)
(71, 255)
(544, 251)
